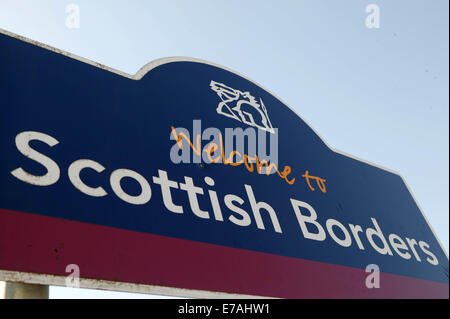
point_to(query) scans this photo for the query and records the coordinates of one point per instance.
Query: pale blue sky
(378, 94)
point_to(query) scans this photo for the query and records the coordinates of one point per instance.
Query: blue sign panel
(191, 176)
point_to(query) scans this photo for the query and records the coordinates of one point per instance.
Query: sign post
(16, 290)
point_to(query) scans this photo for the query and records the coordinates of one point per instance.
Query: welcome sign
(189, 179)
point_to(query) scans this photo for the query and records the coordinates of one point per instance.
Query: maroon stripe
(40, 244)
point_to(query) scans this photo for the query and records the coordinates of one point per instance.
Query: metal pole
(19, 290)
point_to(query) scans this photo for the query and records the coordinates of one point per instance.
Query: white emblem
(242, 106)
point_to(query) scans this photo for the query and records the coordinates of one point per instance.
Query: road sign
(189, 179)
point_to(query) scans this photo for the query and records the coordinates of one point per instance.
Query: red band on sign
(46, 245)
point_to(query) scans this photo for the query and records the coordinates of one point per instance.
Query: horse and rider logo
(242, 106)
